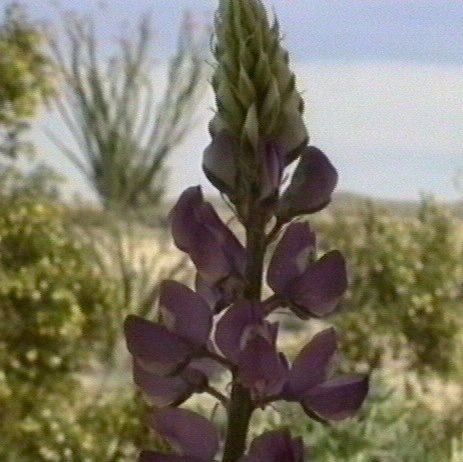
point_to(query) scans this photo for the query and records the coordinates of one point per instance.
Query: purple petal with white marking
(179, 305)
(318, 291)
(155, 347)
(291, 257)
(311, 187)
(261, 368)
(233, 325)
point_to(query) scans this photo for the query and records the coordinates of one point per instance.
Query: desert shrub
(102, 428)
(53, 300)
(58, 316)
(405, 297)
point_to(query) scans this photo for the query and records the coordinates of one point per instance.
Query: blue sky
(383, 80)
(418, 30)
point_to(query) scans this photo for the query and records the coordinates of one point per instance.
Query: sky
(383, 81)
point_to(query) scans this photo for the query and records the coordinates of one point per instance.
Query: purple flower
(220, 166)
(192, 437)
(273, 164)
(195, 439)
(219, 162)
(310, 382)
(249, 341)
(178, 304)
(312, 184)
(275, 446)
(165, 349)
(221, 294)
(216, 252)
(257, 132)
(311, 288)
(168, 391)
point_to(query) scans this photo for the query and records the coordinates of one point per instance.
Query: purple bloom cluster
(224, 323)
(217, 326)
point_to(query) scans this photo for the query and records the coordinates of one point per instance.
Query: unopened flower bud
(256, 95)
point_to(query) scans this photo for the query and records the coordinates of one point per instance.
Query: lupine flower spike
(258, 130)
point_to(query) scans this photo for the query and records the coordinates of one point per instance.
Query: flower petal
(261, 368)
(275, 446)
(229, 243)
(211, 293)
(219, 295)
(205, 367)
(337, 399)
(273, 161)
(193, 235)
(222, 293)
(179, 305)
(318, 291)
(219, 162)
(155, 347)
(162, 391)
(291, 257)
(312, 184)
(186, 228)
(312, 365)
(187, 432)
(233, 324)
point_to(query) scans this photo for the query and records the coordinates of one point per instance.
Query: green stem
(241, 406)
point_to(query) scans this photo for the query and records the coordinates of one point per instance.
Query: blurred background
(103, 119)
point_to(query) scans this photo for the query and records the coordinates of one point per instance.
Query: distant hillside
(345, 202)
(351, 202)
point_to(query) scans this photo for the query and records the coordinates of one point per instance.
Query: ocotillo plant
(257, 131)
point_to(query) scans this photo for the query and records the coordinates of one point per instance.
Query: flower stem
(239, 415)
(217, 395)
(218, 359)
(241, 406)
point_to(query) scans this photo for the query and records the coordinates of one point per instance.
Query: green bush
(405, 297)
(58, 317)
(104, 428)
(54, 303)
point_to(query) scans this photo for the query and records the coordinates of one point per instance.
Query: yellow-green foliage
(25, 69)
(77, 426)
(405, 295)
(53, 301)
(57, 316)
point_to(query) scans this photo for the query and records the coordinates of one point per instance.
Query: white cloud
(385, 107)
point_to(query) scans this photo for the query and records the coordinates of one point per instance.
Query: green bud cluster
(255, 90)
